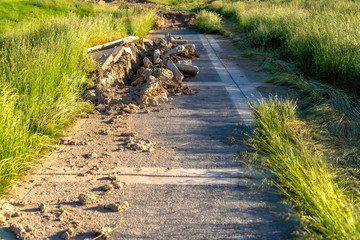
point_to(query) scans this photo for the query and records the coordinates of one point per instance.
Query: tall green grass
(208, 22)
(175, 2)
(43, 74)
(180, 5)
(321, 36)
(305, 178)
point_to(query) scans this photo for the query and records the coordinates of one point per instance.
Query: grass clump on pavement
(321, 37)
(43, 74)
(304, 177)
(208, 22)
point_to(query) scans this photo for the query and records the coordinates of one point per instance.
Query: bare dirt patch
(175, 20)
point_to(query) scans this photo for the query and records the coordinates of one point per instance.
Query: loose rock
(178, 75)
(42, 207)
(116, 207)
(85, 199)
(175, 50)
(188, 69)
(147, 63)
(118, 185)
(68, 234)
(107, 188)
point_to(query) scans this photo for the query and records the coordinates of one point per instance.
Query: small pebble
(42, 207)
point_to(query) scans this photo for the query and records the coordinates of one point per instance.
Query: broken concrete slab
(180, 42)
(177, 74)
(188, 69)
(173, 51)
(157, 58)
(117, 53)
(107, 62)
(118, 42)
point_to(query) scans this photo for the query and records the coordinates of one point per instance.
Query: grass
(43, 73)
(311, 145)
(326, 209)
(180, 5)
(208, 22)
(175, 2)
(321, 37)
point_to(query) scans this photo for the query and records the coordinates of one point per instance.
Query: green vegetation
(321, 37)
(208, 22)
(326, 209)
(175, 2)
(180, 5)
(44, 69)
(312, 145)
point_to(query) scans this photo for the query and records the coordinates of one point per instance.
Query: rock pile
(136, 75)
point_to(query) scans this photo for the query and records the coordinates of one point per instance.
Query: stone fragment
(92, 96)
(185, 61)
(157, 58)
(147, 63)
(188, 69)
(29, 228)
(42, 207)
(108, 61)
(162, 42)
(116, 207)
(181, 42)
(118, 185)
(113, 177)
(128, 50)
(85, 199)
(107, 188)
(17, 229)
(92, 155)
(173, 51)
(177, 74)
(121, 41)
(117, 53)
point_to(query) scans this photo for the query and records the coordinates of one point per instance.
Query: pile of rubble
(134, 75)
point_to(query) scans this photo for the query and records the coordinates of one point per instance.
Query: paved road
(191, 187)
(198, 129)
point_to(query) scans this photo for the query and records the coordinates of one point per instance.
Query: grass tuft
(208, 22)
(287, 150)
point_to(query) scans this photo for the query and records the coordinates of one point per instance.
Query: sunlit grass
(208, 22)
(43, 74)
(326, 210)
(321, 37)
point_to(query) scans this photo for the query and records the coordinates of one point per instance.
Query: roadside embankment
(44, 72)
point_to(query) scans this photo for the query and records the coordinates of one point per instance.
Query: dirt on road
(137, 170)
